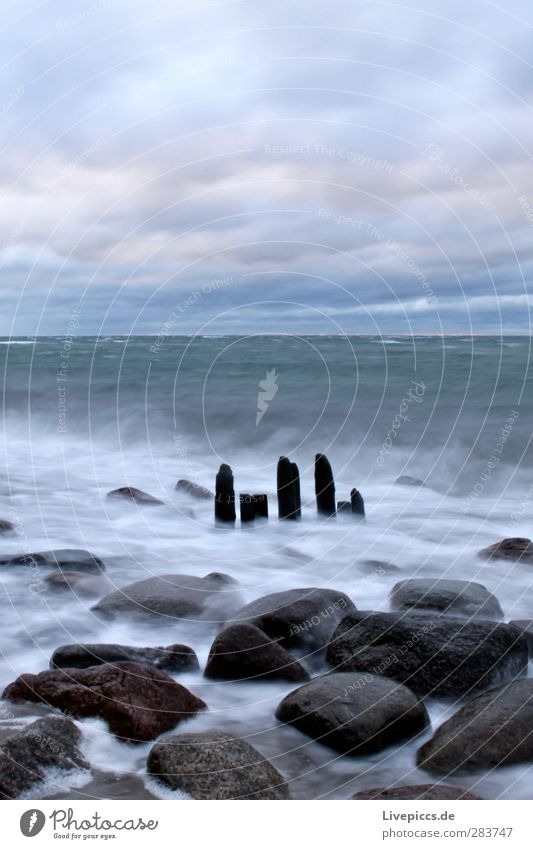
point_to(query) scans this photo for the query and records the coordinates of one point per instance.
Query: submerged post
(324, 486)
(261, 506)
(358, 505)
(225, 495)
(253, 506)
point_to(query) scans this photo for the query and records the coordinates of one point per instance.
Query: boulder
(176, 658)
(213, 597)
(302, 618)
(194, 489)
(215, 765)
(496, 729)
(433, 792)
(80, 582)
(512, 548)
(407, 480)
(138, 702)
(133, 494)
(25, 755)
(458, 598)
(243, 652)
(6, 527)
(64, 559)
(354, 714)
(437, 656)
(525, 626)
(378, 567)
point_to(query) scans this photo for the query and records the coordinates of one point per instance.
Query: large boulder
(138, 702)
(213, 597)
(302, 618)
(243, 652)
(512, 548)
(26, 755)
(525, 626)
(194, 489)
(354, 714)
(215, 765)
(433, 792)
(496, 729)
(131, 493)
(64, 559)
(458, 598)
(175, 658)
(434, 656)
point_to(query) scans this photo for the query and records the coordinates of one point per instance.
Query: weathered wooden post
(358, 505)
(261, 506)
(225, 495)
(296, 494)
(288, 484)
(344, 506)
(246, 502)
(324, 486)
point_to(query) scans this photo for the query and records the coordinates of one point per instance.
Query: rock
(324, 486)
(27, 754)
(243, 652)
(407, 480)
(512, 548)
(525, 626)
(225, 496)
(432, 792)
(496, 729)
(6, 527)
(64, 559)
(80, 582)
(176, 658)
(138, 702)
(354, 714)
(437, 656)
(194, 489)
(213, 597)
(133, 494)
(215, 765)
(464, 598)
(379, 567)
(301, 618)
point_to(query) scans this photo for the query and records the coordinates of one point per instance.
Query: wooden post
(324, 486)
(358, 505)
(288, 481)
(246, 502)
(261, 506)
(225, 495)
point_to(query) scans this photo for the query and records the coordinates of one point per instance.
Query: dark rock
(225, 495)
(324, 486)
(464, 598)
(525, 626)
(138, 702)
(358, 505)
(379, 567)
(215, 765)
(133, 494)
(407, 480)
(65, 559)
(434, 792)
(437, 656)
(512, 548)
(6, 527)
(194, 489)
(288, 488)
(297, 618)
(496, 729)
(81, 582)
(354, 714)
(213, 597)
(27, 754)
(243, 652)
(176, 658)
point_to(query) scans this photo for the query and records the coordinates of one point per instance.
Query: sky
(239, 167)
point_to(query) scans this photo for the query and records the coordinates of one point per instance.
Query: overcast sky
(253, 166)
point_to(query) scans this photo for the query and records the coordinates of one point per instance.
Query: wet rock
(215, 765)
(512, 548)
(243, 652)
(212, 598)
(496, 729)
(80, 582)
(432, 792)
(194, 489)
(379, 567)
(525, 626)
(175, 658)
(458, 598)
(138, 702)
(437, 656)
(64, 559)
(133, 494)
(407, 480)
(6, 528)
(300, 618)
(354, 714)
(26, 755)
